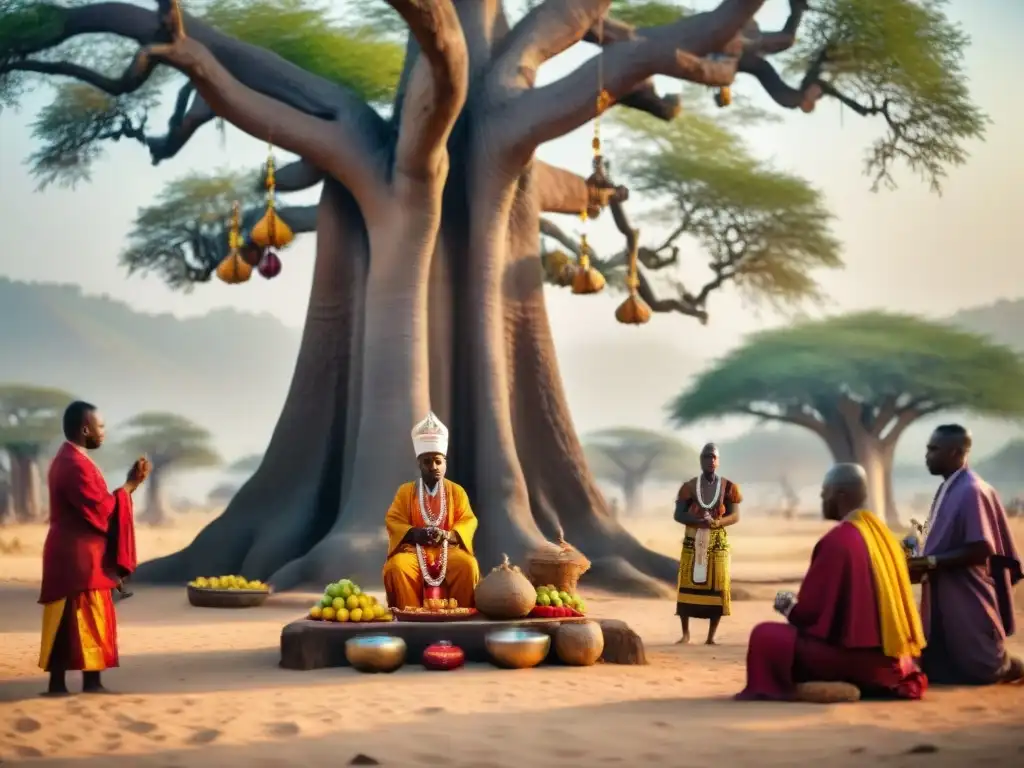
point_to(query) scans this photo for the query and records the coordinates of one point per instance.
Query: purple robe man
(967, 569)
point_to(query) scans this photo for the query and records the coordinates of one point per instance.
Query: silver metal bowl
(517, 648)
(375, 653)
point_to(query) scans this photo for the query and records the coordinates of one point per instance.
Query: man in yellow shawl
(430, 530)
(855, 620)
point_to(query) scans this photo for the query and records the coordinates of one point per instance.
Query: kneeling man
(430, 528)
(855, 619)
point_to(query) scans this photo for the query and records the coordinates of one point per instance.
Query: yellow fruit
(202, 581)
(368, 614)
(214, 583)
(353, 603)
(453, 603)
(341, 615)
(315, 612)
(388, 616)
(346, 591)
(338, 604)
(327, 614)
(356, 614)
(377, 610)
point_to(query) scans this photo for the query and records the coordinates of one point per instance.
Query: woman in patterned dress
(706, 505)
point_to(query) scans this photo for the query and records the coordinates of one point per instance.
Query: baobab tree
(858, 381)
(427, 285)
(173, 444)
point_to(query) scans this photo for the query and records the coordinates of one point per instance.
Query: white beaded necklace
(433, 522)
(714, 499)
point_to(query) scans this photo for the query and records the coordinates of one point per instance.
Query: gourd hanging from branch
(234, 269)
(634, 310)
(586, 279)
(271, 231)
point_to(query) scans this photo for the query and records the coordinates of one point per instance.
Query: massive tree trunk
(632, 492)
(155, 513)
(26, 487)
(428, 292)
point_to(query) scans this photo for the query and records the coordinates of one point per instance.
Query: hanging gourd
(233, 269)
(251, 254)
(586, 279)
(270, 265)
(634, 310)
(723, 96)
(271, 231)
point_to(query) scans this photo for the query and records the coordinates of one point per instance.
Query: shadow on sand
(678, 732)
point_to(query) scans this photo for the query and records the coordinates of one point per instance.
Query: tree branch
(562, 191)
(320, 140)
(133, 78)
(280, 92)
(791, 414)
(295, 177)
(437, 87)
(683, 49)
(182, 126)
(546, 31)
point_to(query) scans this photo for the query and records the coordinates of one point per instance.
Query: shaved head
(709, 460)
(844, 489)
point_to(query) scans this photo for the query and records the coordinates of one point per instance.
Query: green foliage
(903, 60)
(867, 357)
(304, 33)
(621, 452)
(647, 13)
(30, 417)
(762, 228)
(170, 441)
(74, 129)
(192, 208)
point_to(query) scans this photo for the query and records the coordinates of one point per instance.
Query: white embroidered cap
(430, 436)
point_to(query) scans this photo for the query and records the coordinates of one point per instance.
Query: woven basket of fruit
(559, 564)
(227, 592)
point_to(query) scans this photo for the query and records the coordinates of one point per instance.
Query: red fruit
(251, 254)
(270, 265)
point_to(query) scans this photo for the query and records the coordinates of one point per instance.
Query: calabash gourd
(579, 644)
(505, 593)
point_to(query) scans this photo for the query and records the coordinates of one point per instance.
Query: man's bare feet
(58, 694)
(684, 640)
(710, 641)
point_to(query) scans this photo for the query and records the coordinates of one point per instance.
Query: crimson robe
(833, 632)
(91, 538)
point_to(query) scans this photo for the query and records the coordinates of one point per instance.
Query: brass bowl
(517, 648)
(375, 653)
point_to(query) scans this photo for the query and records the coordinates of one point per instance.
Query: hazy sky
(906, 250)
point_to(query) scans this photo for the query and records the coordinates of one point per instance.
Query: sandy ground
(202, 688)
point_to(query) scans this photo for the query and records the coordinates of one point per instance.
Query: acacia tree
(630, 457)
(30, 422)
(172, 443)
(858, 381)
(427, 285)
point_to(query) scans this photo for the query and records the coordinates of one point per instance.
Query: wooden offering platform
(307, 644)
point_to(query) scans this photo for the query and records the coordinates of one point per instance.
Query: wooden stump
(308, 644)
(827, 693)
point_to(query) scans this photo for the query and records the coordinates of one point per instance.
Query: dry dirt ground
(202, 688)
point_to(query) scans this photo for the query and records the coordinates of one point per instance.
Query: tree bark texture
(155, 512)
(26, 487)
(427, 290)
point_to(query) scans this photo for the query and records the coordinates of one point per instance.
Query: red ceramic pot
(443, 655)
(435, 593)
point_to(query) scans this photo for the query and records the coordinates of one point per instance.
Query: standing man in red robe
(89, 545)
(855, 620)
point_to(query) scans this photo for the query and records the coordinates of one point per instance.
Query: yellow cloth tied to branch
(898, 619)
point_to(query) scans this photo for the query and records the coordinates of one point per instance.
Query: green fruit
(543, 599)
(581, 606)
(326, 601)
(344, 582)
(346, 591)
(565, 596)
(334, 590)
(356, 590)
(556, 601)
(542, 590)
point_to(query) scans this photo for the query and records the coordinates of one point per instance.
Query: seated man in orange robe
(430, 529)
(89, 545)
(855, 620)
